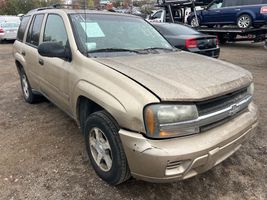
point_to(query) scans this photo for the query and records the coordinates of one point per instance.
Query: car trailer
(233, 34)
(224, 34)
(177, 5)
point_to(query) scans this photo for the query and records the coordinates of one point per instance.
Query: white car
(162, 15)
(9, 27)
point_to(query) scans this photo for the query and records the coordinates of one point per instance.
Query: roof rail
(59, 6)
(69, 6)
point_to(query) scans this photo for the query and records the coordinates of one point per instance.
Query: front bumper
(184, 157)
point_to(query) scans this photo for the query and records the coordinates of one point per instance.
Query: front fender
(98, 95)
(125, 108)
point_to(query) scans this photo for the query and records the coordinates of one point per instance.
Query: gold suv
(146, 109)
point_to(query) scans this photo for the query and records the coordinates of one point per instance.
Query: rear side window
(34, 30)
(22, 28)
(55, 30)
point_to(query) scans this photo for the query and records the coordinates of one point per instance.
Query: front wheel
(244, 21)
(105, 149)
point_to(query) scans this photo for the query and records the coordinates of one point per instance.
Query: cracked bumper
(181, 158)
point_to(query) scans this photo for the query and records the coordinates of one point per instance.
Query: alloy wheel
(100, 149)
(244, 22)
(25, 86)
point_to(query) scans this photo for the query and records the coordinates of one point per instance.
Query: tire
(222, 39)
(195, 23)
(105, 149)
(28, 95)
(244, 21)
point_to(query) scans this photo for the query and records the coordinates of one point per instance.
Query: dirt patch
(43, 155)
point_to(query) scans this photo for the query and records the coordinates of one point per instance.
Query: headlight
(162, 121)
(251, 89)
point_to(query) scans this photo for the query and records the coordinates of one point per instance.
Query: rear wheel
(244, 21)
(28, 95)
(195, 22)
(105, 149)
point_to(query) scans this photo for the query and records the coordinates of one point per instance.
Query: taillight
(2, 30)
(264, 10)
(191, 43)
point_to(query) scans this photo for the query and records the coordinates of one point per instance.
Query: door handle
(238, 9)
(217, 11)
(41, 61)
(23, 53)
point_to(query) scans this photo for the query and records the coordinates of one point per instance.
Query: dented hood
(181, 76)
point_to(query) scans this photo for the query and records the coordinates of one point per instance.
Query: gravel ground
(43, 155)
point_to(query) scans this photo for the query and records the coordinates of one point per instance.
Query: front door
(213, 13)
(54, 72)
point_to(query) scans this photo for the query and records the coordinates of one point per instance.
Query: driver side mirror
(54, 50)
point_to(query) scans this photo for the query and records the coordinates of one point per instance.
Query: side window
(216, 5)
(55, 30)
(157, 15)
(34, 30)
(22, 28)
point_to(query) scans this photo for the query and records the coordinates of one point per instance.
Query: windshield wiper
(115, 50)
(158, 48)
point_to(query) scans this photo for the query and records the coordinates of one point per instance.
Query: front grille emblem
(234, 109)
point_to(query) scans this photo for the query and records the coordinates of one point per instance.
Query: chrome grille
(216, 111)
(240, 98)
(222, 102)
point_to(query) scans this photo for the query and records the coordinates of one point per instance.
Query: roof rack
(69, 6)
(60, 6)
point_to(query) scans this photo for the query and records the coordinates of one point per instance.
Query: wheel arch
(85, 107)
(88, 98)
(19, 65)
(246, 12)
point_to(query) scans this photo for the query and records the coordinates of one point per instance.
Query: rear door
(30, 51)
(230, 8)
(54, 72)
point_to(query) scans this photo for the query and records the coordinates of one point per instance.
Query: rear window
(174, 29)
(22, 27)
(9, 25)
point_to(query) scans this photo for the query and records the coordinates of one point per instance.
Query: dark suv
(243, 13)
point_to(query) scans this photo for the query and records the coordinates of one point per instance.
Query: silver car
(9, 27)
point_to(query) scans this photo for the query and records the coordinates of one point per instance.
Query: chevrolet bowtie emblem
(234, 109)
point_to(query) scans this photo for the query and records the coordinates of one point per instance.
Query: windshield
(95, 32)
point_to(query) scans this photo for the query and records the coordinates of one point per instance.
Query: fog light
(177, 167)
